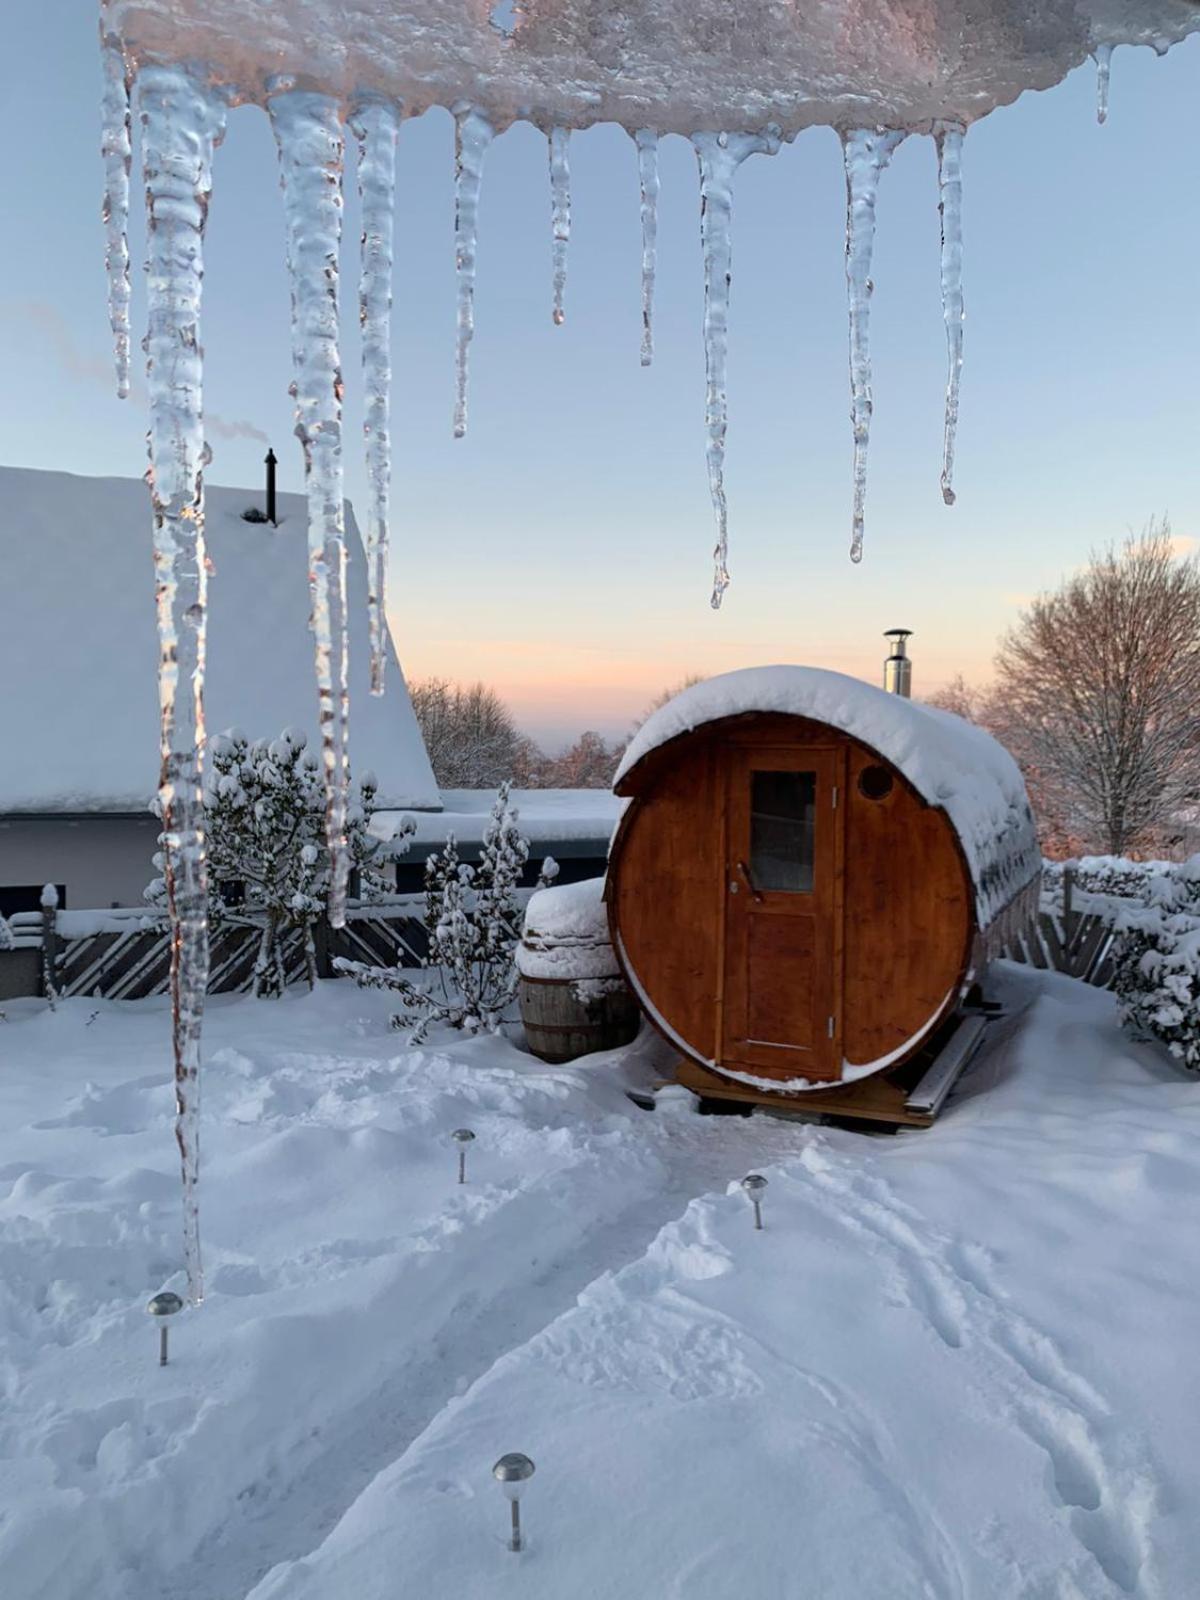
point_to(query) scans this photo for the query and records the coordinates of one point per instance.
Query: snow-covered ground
(953, 1364)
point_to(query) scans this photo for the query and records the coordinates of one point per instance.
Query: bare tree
(1098, 694)
(664, 695)
(588, 764)
(531, 765)
(472, 740)
(961, 697)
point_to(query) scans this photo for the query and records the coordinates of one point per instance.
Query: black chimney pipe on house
(271, 464)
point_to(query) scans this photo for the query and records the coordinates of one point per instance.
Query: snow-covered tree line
(474, 742)
(1097, 694)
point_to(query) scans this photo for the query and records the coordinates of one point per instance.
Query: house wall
(100, 861)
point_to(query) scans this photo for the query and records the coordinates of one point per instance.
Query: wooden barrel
(573, 998)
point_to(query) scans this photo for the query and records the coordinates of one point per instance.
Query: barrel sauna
(811, 873)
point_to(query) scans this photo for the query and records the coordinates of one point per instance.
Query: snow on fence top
(77, 634)
(949, 762)
(671, 65)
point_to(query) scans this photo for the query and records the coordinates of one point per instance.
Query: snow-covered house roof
(79, 722)
(951, 763)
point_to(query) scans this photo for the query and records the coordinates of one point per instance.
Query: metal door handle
(745, 872)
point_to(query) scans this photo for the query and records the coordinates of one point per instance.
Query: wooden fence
(124, 955)
(1081, 945)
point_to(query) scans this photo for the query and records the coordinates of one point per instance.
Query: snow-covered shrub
(1154, 909)
(474, 924)
(1157, 978)
(267, 859)
(1111, 875)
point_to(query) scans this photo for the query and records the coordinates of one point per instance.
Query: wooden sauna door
(780, 1004)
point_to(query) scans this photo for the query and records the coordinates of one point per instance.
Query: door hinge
(831, 1027)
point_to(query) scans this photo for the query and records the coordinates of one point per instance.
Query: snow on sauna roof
(949, 762)
(79, 719)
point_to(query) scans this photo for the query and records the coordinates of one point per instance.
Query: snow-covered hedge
(1154, 907)
(1107, 875)
(1157, 979)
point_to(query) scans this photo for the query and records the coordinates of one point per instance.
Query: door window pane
(782, 825)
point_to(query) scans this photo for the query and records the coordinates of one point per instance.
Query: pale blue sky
(563, 549)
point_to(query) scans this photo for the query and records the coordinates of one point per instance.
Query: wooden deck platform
(910, 1097)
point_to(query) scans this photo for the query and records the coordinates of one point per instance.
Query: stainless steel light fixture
(510, 1472)
(462, 1138)
(754, 1183)
(163, 1306)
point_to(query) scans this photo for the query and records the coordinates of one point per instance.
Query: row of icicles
(867, 153)
(183, 120)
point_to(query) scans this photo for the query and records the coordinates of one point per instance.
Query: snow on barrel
(573, 997)
(812, 873)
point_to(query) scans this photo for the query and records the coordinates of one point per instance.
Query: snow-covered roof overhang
(79, 713)
(675, 65)
(951, 763)
(561, 822)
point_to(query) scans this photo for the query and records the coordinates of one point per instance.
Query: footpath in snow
(956, 1363)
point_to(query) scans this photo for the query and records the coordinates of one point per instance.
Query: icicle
(473, 134)
(183, 121)
(949, 137)
(308, 131)
(719, 155)
(1103, 54)
(560, 215)
(116, 147)
(647, 149)
(375, 128)
(867, 153)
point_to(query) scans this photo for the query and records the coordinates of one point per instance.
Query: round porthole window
(875, 783)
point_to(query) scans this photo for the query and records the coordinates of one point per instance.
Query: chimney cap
(270, 458)
(898, 633)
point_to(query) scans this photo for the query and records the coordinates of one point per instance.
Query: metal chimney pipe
(897, 669)
(271, 517)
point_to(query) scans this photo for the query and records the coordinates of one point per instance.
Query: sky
(562, 551)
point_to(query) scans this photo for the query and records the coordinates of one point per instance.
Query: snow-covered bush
(474, 924)
(267, 859)
(1108, 875)
(1157, 979)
